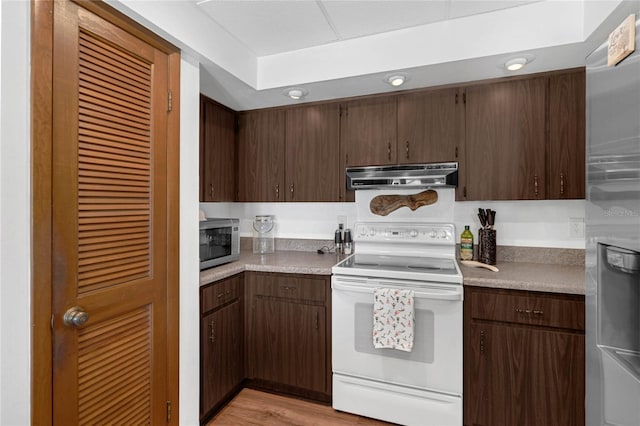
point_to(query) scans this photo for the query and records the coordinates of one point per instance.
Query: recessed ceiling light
(515, 64)
(296, 93)
(396, 80)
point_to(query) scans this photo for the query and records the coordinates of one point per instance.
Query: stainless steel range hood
(403, 176)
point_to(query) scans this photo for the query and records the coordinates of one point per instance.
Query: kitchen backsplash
(542, 223)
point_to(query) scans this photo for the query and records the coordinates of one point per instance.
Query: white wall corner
(189, 263)
(15, 214)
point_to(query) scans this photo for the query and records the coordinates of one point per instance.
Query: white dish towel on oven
(393, 319)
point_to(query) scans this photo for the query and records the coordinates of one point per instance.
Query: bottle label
(466, 249)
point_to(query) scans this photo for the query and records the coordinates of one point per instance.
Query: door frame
(41, 182)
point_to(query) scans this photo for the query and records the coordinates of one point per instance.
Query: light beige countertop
(567, 279)
(291, 262)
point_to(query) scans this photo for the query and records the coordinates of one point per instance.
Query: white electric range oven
(422, 386)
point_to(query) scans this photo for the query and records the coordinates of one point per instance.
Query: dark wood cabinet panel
(217, 152)
(261, 153)
(288, 338)
(291, 340)
(516, 373)
(505, 140)
(221, 344)
(312, 153)
(368, 135)
(429, 126)
(566, 150)
(368, 131)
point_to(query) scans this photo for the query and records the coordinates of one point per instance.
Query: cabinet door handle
(317, 320)
(291, 189)
(482, 341)
(211, 190)
(389, 150)
(224, 293)
(535, 185)
(277, 191)
(212, 335)
(406, 149)
(529, 311)
(561, 183)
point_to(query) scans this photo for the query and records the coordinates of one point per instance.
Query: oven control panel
(429, 233)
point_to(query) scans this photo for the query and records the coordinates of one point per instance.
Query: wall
(15, 215)
(518, 223)
(189, 264)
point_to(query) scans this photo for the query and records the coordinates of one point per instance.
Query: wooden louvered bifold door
(109, 223)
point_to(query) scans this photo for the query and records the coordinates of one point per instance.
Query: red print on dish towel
(393, 319)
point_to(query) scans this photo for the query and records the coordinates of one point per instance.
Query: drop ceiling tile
(460, 8)
(269, 27)
(361, 18)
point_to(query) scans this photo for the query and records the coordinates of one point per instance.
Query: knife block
(487, 246)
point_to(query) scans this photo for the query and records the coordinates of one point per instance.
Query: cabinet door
(368, 132)
(429, 126)
(217, 152)
(261, 156)
(505, 140)
(524, 376)
(566, 152)
(221, 348)
(312, 153)
(289, 343)
(497, 383)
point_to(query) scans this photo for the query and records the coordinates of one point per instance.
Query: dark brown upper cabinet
(312, 153)
(505, 127)
(261, 154)
(368, 132)
(217, 152)
(429, 126)
(290, 154)
(566, 150)
(368, 136)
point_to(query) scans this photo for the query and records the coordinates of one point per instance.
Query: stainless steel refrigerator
(613, 237)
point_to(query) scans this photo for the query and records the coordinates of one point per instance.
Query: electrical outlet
(576, 227)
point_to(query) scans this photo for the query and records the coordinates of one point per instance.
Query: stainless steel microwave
(219, 242)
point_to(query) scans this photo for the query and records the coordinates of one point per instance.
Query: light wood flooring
(251, 407)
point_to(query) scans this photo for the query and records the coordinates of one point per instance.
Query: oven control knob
(442, 234)
(372, 232)
(413, 233)
(432, 234)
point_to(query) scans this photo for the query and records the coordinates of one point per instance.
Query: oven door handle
(451, 295)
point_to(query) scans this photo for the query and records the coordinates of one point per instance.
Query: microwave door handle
(439, 295)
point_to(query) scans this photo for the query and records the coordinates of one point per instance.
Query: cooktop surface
(401, 267)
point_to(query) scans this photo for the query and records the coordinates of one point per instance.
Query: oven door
(434, 363)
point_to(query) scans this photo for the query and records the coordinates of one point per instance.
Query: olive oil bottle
(466, 244)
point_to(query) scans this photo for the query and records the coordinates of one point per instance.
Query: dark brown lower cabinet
(524, 358)
(288, 346)
(221, 343)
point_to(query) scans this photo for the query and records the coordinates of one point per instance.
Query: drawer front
(292, 287)
(219, 293)
(549, 310)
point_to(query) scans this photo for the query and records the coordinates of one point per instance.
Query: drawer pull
(529, 311)
(212, 335)
(287, 288)
(223, 294)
